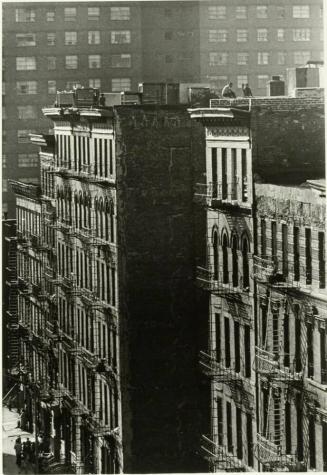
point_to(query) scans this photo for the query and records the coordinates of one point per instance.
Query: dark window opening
(273, 241)
(244, 177)
(310, 351)
(312, 442)
(265, 407)
(298, 360)
(323, 361)
(288, 426)
(234, 175)
(275, 335)
(246, 275)
(285, 249)
(296, 252)
(218, 337)
(220, 421)
(247, 351)
(263, 238)
(225, 260)
(286, 340)
(227, 343)
(263, 326)
(299, 428)
(230, 447)
(215, 256)
(237, 346)
(224, 173)
(214, 172)
(308, 257)
(235, 261)
(322, 263)
(249, 439)
(324, 446)
(239, 438)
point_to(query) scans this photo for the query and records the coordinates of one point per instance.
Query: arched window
(234, 260)
(215, 254)
(245, 258)
(225, 259)
(112, 222)
(96, 209)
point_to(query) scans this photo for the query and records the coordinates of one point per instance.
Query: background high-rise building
(50, 46)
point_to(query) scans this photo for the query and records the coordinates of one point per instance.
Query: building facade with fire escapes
(252, 399)
(106, 310)
(291, 308)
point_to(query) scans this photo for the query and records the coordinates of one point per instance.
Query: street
(10, 432)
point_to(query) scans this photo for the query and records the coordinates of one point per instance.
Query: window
(217, 59)
(218, 331)
(234, 252)
(52, 87)
(120, 84)
(4, 185)
(94, 61)
(239, 436)
(321, 258)
(70, 14)
(23, 135)
(241, 80)
(217, 13)
(262, 11)
(280, 34)
(262, 34)
(308, 257)
(249, 437)
(217, 81)
(285, 249)
(51, 15)
(51, 62)
(227, 342)
(301, 34)
(28, 160)
(96, 83)
(26, 87)
(51, 39)
(224, 197)
(120, 13)
(262, 80)
(229, 421)
(273, 240)
(242, 58)
(121, 61)
(217, 36)
(25, 63)
(296, 252)
(241, 12)
(71, 62)
(93, 37)
(225, 261)
(70, 85)
(280, 12)
(4, 161)
(301, 11)
(281, 58)
(70, 38)
(242, 36)
(220, 421)
(301, 57)
(25, 15)
(93, 13)
(215, 190)
(120, 37)
(27, 112)
(323, 358)
(25, 39)
(237, 367)
(263, 57)
(247, 351)
(310, 354)
(245, 259)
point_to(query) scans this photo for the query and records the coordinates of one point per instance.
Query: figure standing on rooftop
(228, 91)
(246, 90)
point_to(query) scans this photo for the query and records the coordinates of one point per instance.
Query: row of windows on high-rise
(294, 266)
(29, 63)
(299, 58)
(71, 38)
(221, 12)
(23, 15)
(264, 34)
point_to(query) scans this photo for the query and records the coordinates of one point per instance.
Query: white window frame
(70, 13)
(120, 37)
(70, 38)
(217, 12)
(93, 13)
(242, 35)
(51, 15)
(125, 58)
(25, 15)
(301, 11)
(95, 83)
(25, 63)
(27, 112)
(51, 38)
(242, 59)
(304, 57)
(51, 61)
(262, 34)
(218, 58)
(94, 61)
(31, 87)
(301, 34)
(241, 12)
(71, 61)
(119, 87)
(52, 86)
(262, 11)
(22, 39)
(93, 35)
(27, 160)
(262, 78)
(218, 36)
(263, 58)
(120, 13)
(281, 58)
(280, 34)
(242, 79)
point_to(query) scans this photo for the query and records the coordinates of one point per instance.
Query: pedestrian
(246, 90)
(228, 91)
(102, 100)
(18, 451)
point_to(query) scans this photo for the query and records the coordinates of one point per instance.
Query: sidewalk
(10, 432)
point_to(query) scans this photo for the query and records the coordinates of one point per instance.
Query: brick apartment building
(265, 275)
(107, 314)
(49, 47)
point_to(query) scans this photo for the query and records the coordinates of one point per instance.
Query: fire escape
(281, 374)
(233, 374)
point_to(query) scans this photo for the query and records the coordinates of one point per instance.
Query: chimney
(276, 87)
